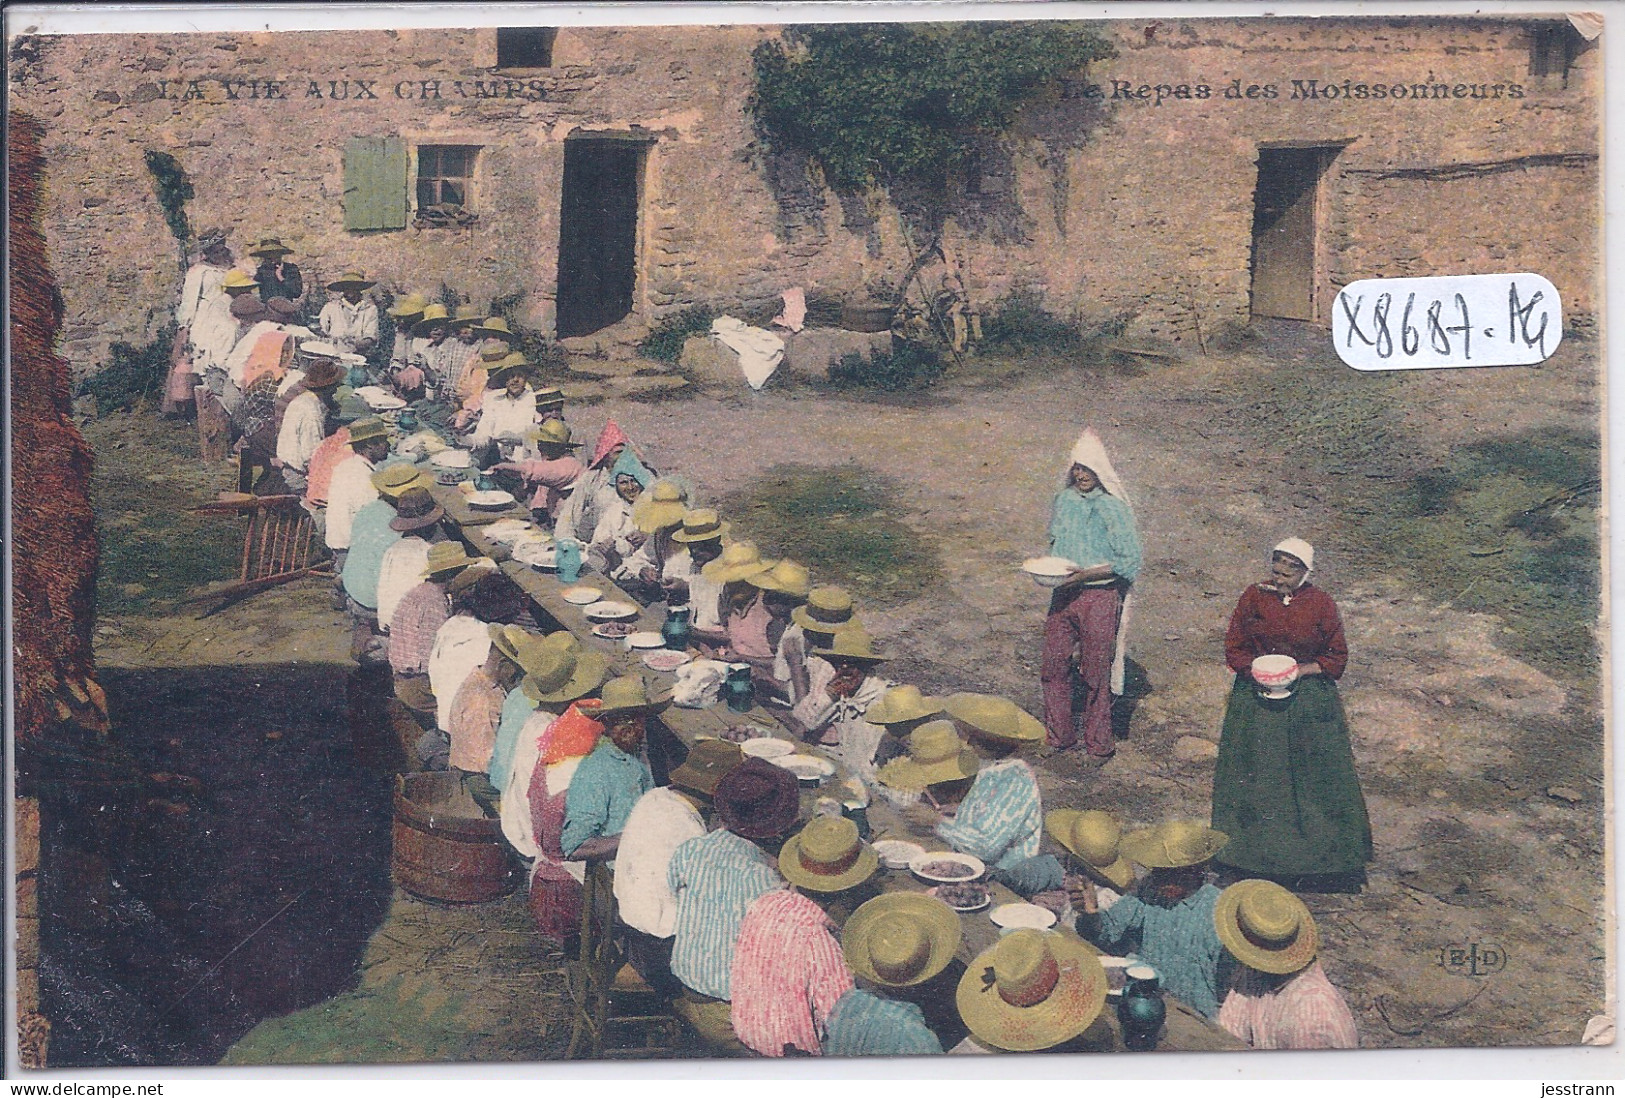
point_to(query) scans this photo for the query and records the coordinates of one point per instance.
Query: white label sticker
(1439, 323)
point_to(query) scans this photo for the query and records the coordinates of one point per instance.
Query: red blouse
(1308, 630)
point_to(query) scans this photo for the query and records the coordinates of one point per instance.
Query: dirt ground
(1482, 768)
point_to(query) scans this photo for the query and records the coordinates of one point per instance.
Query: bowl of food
(664, 659)
(581, 596)
(896, 854)
(1048, 571)
(1022, 916)
(969, 896)
(1275, 675)
(614, 630)
(610, 610)
(946, 867)
(807, 769)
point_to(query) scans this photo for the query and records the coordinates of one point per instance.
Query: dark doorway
(1284, 229)
(598, 223)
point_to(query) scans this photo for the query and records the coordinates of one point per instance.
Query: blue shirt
(714, 877)
(1001, 819)
(863, 1024)
(1180, 942)
(605, 787)
(370, 539)
(516, 710)
(1097, 528)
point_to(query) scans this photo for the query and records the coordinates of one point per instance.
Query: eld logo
(1472, 960)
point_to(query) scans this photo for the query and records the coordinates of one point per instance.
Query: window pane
(426, 196)
(525, 47)
(451, 190)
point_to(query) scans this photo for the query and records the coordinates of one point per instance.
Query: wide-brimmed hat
(1093, 837)
(320, 348)
(269, 246)
(627, 695)
(351, 280)
(935, 754)
(786, 577)
(237, 280)
(282, 309)
(561, 672)
(512, 363)
(490, 356)
(409, 305)
(495, 327)
(392, 481)
(736, 562)
(446, 558)
(210, 238)
(549, 397)
(900, 704)
(757, 800)
(507, 639)
(828, 856)
(478, 569)
(1173, 844)
(661, 509)
(326, 373)
(432, 314)
(465, 315)
(700, 525)
(708, 761)
(1031, 990)
(994, 717)
(1266, 927)
(555, 432)
(416, 510)
(247, 308)
(369, 427)
(851, 644)
(828, 608)
(901, 939)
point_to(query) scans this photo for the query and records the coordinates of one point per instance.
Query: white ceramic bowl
(581, 596)
(973, 867)
(1048, 571)
(1022, 916)
(609, 610)
(1275, 673)
(492, 500)
(806, 768)
(647, 638)
(661, 659)
(451, 459)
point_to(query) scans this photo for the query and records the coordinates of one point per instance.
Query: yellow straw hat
(464, 315)
(661, 509)
(628, 694)
(851, 644)
(786, 577)
(371, 427)
(446, 559)
(393, 481)
(901, 939)
(1093, 836)
(935, 754)
(900, 704)
(996, 718)
(555, 432)
(563, 673)
(351, 280)
(495, 327)
(535, 653)
(1266, 927)
(828, 856)
(507, 639)
(1031, 990)
(432, 315)
(410, 305)
(828, 609)
(1173, 844)
(701, 524)
(237, 280)
(736, 562)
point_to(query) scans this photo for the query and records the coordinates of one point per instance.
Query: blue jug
(567, 555)
(676, 630)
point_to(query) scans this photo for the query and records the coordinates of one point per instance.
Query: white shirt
(303, 425)
(705, 596)
(238, 358)
(347, 324)
(614, 526)
(407, 350)
(660, 822)
(213, 329)
(858, 739)
(203, 282)
(460, 645)
(505, 417)
(401, 570)
(349, 491)
(518, 822)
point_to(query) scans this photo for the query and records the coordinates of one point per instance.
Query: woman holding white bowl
(1284, 788)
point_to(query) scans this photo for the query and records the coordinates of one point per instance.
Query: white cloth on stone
(759, 350)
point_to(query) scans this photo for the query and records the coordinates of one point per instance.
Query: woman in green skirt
(1284, 789)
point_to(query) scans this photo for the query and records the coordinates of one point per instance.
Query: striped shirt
(714, 878)
(515, 711)
(606, 786)
(863, 1024)
(788, 974)
(1300, 1011)
(418, 617)
(474, 714)
(1097, 528)
(1179, 941)
(1001, 819)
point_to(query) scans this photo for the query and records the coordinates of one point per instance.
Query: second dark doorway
(598, 226)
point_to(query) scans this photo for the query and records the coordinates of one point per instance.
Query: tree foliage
(173, 189)
(905, 106)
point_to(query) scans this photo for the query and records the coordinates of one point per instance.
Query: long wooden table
(1186, 1031)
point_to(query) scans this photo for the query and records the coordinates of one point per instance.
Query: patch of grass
(131, 373)
(844, 522)
(665, 342)
(1021, 322)
(908, 366)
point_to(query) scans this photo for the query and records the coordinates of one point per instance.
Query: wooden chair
(601, 981)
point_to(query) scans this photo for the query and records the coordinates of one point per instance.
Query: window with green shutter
(375, 170)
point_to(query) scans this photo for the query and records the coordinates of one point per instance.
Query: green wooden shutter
(375, 183)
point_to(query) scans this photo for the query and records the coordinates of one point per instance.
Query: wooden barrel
(445, 847)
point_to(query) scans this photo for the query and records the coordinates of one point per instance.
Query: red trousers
(1082, 620)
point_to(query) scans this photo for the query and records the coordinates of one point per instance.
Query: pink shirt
(1304, 1012)
(747, 632)
(475, 712)
(552, 478)
(788, 974)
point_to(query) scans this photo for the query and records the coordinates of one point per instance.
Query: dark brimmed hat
(707, 764)
(281, 308)
(210, 238)
(351, 280)
(362, 429)
(757, 800)
(416, 510)
(325, 373)
(268, 247)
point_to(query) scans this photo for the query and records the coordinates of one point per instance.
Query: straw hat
(736, 562)
(363, 429)
(828, 856)
(1266, 927)
(509, 364)
(550, 397)
(507, 639)
(661, 509)
(247, 307)
(464, 315)
(851, 644)
(707, 764)
(268, 248)
(935, 754)
(1093, 836)
(902, 703)
(627, 695)
(1173, 844)
(237, 280)
(494, 354)
(786, 577)
(1033, 989)
(495, 327)
(555, 432)
(446, 558)
(535, 653)
(563, 673)
(416, 510)
(410, 305)
(351, 280)
(827, 609)
(432, 315)
(996, 718)
(901, 939)
(757, 800)
(392, 481)
(702, 524)
(478, 568)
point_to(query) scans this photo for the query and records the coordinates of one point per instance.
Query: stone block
(709, 362)
(811, 352)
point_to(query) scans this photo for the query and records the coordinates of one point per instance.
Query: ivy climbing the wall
(174, 189)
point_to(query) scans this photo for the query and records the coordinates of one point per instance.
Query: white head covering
(1090, 452)
(1297, 547)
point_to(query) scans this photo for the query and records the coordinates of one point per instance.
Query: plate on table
(581, 596)
(663, 659)
(451, 459)
(610, 610)
(537, 555)
(896, 854)
(946, 867)
(806, 768)
(646, 638)
(1021, 916)
(969, 896)
(492, 499)
(614, 630)
(767, 747)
